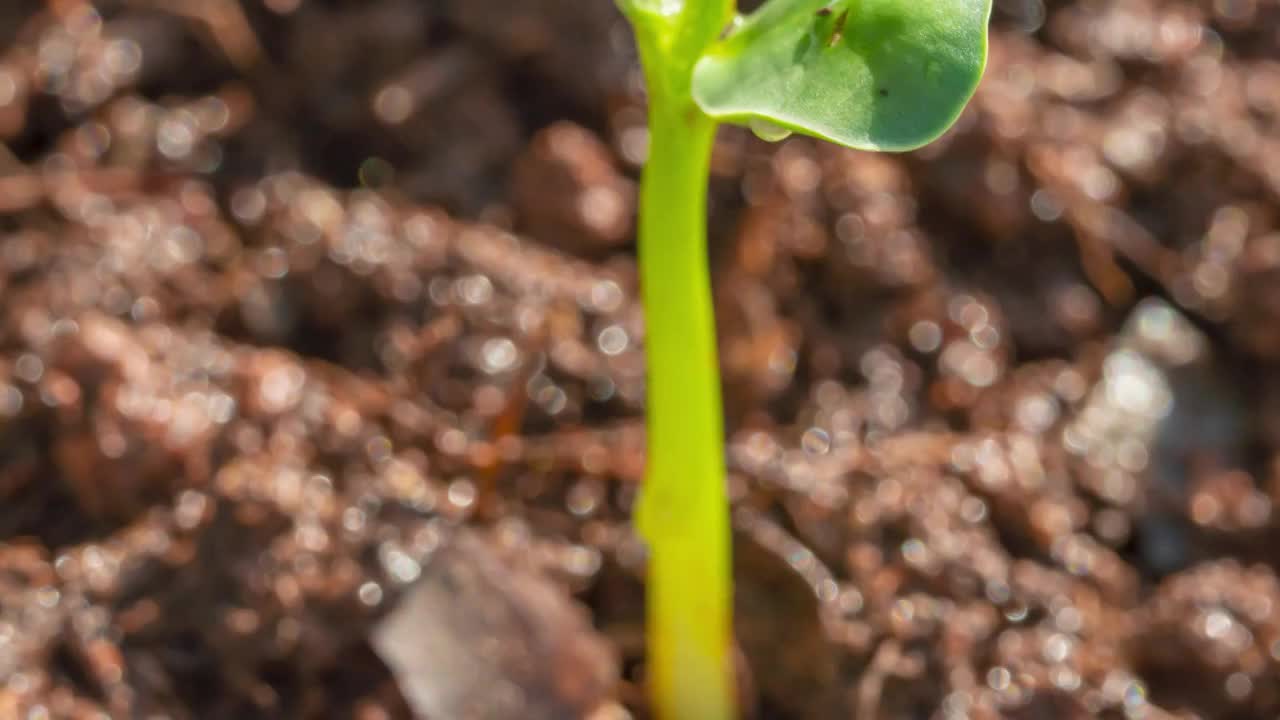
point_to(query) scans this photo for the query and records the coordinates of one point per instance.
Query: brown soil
(319, 332)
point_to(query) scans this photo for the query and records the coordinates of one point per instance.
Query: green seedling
(887, 75)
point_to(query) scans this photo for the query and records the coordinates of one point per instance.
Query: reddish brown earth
(319, 343)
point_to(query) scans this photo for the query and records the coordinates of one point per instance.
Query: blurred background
(321, 371)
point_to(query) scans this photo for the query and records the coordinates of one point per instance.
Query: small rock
(1159, 406)
(480, 636)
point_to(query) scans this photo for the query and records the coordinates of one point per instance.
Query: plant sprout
(886, 75)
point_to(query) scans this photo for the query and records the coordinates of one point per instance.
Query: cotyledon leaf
(869, 74)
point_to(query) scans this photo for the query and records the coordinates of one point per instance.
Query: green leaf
(869, 74)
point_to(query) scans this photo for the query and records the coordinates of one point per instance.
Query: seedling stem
(703, 65)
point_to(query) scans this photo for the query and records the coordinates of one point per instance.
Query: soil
(321, 371)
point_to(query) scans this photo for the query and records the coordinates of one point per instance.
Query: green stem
(684, 512)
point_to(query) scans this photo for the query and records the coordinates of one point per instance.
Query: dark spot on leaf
(823, 12)
(884, 92)
(837, 31)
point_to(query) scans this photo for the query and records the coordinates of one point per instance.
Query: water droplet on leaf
(767, 131)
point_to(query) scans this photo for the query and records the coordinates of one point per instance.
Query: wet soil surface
(319, 333)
